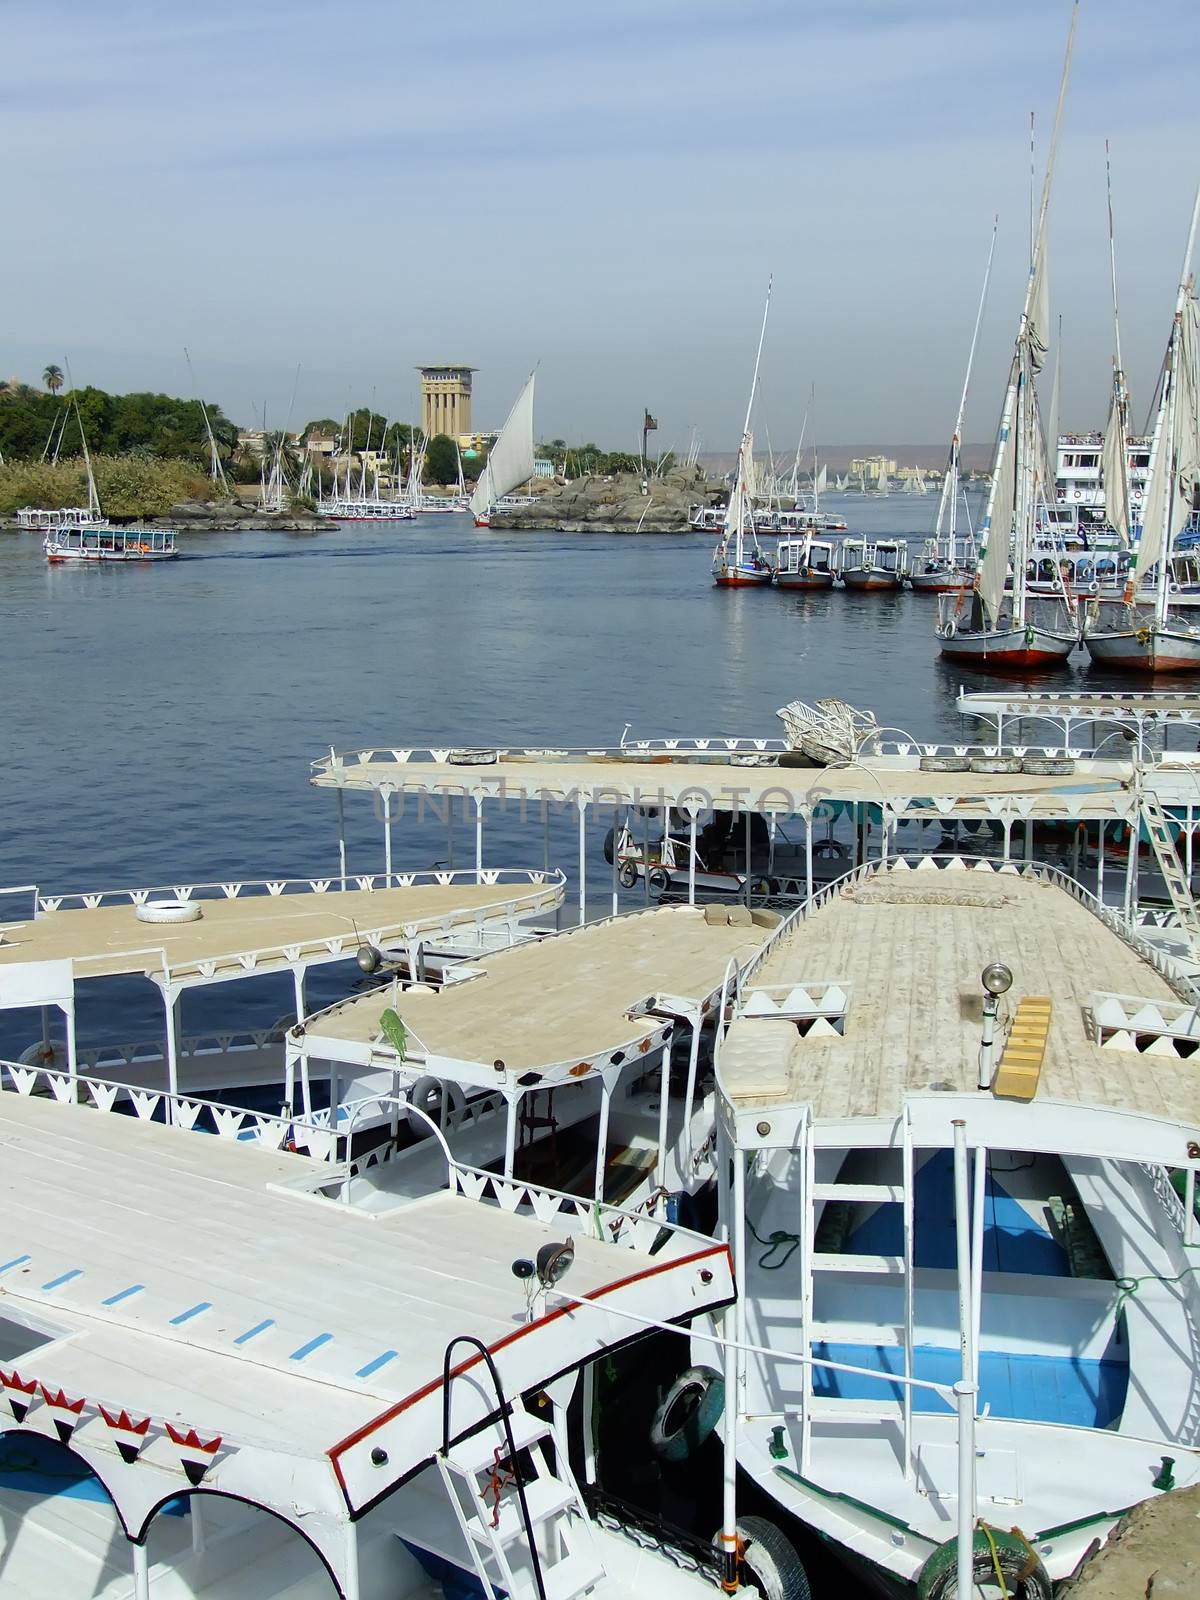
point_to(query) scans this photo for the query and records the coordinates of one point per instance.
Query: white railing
(149, 1105)
(99, 1059)
(635, 1230)
(91, 900)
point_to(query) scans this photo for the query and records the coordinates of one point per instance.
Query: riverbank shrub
(130, 485)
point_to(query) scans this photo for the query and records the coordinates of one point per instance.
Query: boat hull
(874, 582)
(939, 582)
(91, 558)
(804, 580)
(1148, 649)
(1010, 649)
(741, 579)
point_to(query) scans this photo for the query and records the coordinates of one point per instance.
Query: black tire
(687, 1413)
(769, 1561)
(627, 874)
(660, 880)
(1025, 1577)
(610, 845)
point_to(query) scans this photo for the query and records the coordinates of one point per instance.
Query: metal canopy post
(809, 818)
(141, 1573)
(387, 834)
(602, 1132)
(692, 859)
(353, 1592)
(171, 1000)
(664, 1106)
(298, 990)
(695, 1021)
(965, 1389)
(341, 814)
(582, 861)
(478, 799)
(510, 1135)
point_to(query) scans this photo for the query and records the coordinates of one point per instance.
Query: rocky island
(624, 502)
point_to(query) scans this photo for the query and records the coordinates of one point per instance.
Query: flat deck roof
(108, 939)
(564, 1000)
(181, 1278)
(713, 781)
(913, 944)
(1054, 704)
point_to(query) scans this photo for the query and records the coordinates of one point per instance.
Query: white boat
(101, 542)
(967, 1278)
(804, 563)
(510, 461)
(33, 519)
(1156, 639)
(947, 562)
(994, 626)
(739, 561)
(876, 565)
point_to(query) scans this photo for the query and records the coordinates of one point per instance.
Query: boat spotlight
(554, 1261)
(369, 959)
(997, 980)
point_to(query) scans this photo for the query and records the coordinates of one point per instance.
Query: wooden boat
(877, 567)
(510, 462)
(738, 561)
(804, 563)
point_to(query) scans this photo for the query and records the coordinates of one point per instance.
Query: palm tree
(53, 378)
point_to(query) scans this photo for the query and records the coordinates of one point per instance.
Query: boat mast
(93, 495)
(745, 467)
(948, 504)
(1172, 465)
(1120, 397)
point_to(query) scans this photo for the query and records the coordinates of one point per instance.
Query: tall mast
(947, 505)
(1185, 289)
(745, 466)
(1119, 417)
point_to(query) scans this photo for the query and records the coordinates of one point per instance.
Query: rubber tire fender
(660, 880)
(769, 1561)
(427, 1094)
(627, 874)
(687, 1413)
(610, 845)
(1025, 1577)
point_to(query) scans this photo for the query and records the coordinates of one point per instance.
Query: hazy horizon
(601, 192)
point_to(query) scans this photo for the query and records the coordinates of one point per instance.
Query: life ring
(660, 880)
(627, 874)
(950, 629)
(769, 1561)
(168, 911)
(1079, 494)
(428, 1094)
(1093, 587)
(687, 1413)
(830, 848)
(996, 1554)
(1144, 635)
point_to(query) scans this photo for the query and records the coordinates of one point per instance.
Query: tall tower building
(446, 400)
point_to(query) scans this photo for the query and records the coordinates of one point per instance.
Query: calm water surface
(160, 720)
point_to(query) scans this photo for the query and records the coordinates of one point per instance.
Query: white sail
(1114, 461)
(1185, 434)
(511, 460)
(822, 480)
(996, 533)
(884, 486)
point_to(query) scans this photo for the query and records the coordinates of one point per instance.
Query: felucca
(1155, 640)
(738, 561)
(1012, 630)
(510, 462)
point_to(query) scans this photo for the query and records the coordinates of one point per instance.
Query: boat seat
(756, 1057)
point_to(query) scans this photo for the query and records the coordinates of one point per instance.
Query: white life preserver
(950, 629)
(168, 911)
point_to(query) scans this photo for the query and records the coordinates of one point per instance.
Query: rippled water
(160, 720)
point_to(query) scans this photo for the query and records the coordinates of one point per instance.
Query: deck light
(369, 959)
(997, 980)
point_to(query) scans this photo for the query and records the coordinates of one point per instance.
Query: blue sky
(601, 188)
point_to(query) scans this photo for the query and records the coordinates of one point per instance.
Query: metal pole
(582, 862)
(663, 1109)
(965, 1388)
(692, 860)
(602, 1138)
(808, 853)
(616, 888)
(1189, 1202)
(450, 832)
(748, 871)
(1100, 865)
(341, 814)
(510, 1135)
(171, 1006)
(978, 1202)
(728, 1535)
(141, 1573)
(298, 991)
(690, 1095)
(196, 1517)
(1131, 857)
(646, 854)
(387, 834)
(478, 799)
(352, 1589)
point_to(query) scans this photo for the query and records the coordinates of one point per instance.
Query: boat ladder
(1178, 886)
(520, 1510)
(819, 1264)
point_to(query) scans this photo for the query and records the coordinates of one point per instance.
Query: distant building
(321, 444)
(870, 467)
(542, 468)
(446, 400)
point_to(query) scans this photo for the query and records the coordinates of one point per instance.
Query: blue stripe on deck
(1013, 1240)
(374, 1366)
(253, 1333)
(64, 1277)
(313, 1344)
(115, 1299)
(192, 1311)
(1027, 1388)
(16, 1261)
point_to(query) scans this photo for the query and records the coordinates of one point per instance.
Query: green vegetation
(582, 460)
(128, 485)
(441, 460)
(34, 424)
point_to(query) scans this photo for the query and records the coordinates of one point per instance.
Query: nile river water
(160, 720)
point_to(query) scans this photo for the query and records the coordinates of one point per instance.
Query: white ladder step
(883, 1193)
(885, 1335)
(566, 1579)
(892, 1266)
(545, 1497)
(824, 1405)
(478, 1453)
